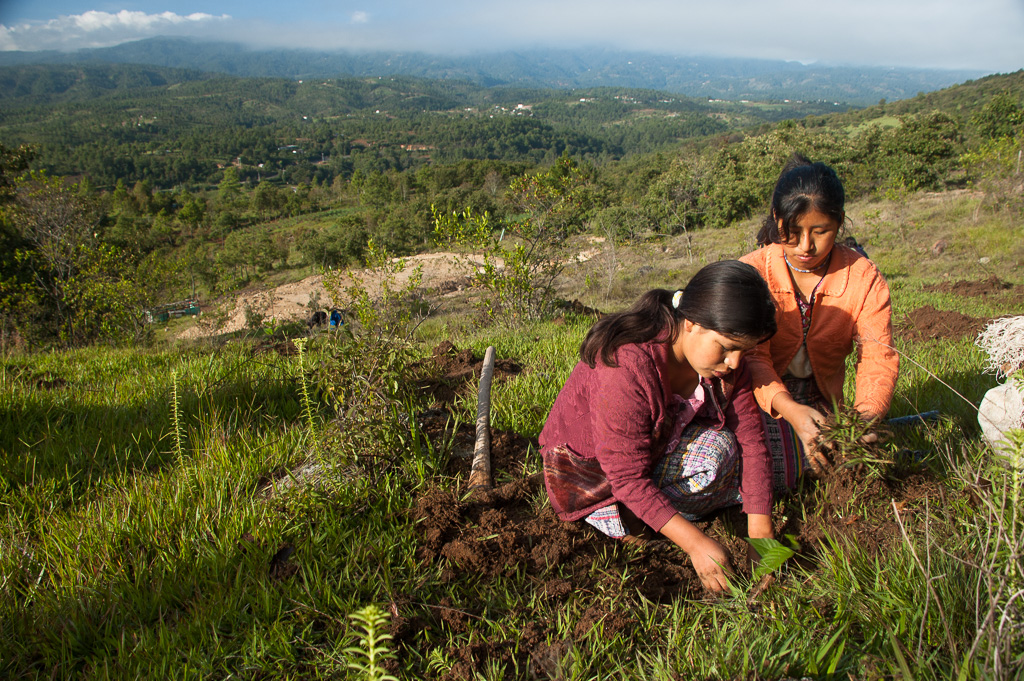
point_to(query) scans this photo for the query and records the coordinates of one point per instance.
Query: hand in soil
(852, 439)
(708, 557)
(711, 561)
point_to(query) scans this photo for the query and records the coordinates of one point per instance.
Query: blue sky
(970, 34)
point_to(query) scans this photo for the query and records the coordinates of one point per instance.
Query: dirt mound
(285, 348)
(511, 530)
(985, 287)
(927, 323)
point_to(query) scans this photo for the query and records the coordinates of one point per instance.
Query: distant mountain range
(730, 79)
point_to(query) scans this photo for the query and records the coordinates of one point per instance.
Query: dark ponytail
(729, 297)
(802, 186)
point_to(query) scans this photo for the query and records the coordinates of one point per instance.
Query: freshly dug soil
(985, 287)
(450, 373)
(927, 323)
(512, 531)
(850, 480)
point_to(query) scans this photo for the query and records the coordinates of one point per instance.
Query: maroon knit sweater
(621, 416)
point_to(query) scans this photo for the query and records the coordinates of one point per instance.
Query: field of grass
(264, 509)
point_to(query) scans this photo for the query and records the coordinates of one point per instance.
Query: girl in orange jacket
(827, 297)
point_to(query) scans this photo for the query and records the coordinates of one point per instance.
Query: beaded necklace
(797, 269)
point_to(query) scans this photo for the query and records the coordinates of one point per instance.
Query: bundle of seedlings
(849, 441)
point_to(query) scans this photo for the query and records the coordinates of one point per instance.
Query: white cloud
(983, 34)
(101, 29)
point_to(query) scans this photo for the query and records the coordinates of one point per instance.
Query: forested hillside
(202, 184)
(171, 127)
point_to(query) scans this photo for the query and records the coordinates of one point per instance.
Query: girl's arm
(743, 418)
(709, 558)
(758, 527)
(806, 422)
(877, 363)
(764, 379)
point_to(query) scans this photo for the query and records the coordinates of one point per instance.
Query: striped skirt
(789, 461)
(700, 475)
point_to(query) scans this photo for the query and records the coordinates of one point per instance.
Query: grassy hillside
(226, 508)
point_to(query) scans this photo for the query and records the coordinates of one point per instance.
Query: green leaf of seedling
(773, 555)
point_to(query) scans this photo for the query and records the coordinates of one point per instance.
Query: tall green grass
(151, 526)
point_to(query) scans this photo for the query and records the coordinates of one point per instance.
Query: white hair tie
(676, 297)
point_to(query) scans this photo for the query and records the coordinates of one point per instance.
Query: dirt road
(289, 302)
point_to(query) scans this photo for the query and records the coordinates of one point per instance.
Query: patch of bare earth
(984, 287)
(441, 272)
(929, 323)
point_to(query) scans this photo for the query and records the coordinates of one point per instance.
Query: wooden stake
(480, 475)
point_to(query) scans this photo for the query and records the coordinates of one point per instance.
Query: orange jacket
(852, 304)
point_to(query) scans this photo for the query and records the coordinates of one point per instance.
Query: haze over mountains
(714, 78)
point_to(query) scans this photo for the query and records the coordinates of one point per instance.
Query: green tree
(123, 202)
(524, 259)
(78, 290)
(142, 193)
(1002, 116)
(59, 229)
(192, 212)
(229, 191)
(15, 277)
(109, 294)
(923, 151)
(340, 244)
(267, 199)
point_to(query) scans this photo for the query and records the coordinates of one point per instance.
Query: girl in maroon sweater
(659, 417)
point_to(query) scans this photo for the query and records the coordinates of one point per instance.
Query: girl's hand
(708, 556)
(807, 426)
(806, 423)
(711, 562)
(870, 438)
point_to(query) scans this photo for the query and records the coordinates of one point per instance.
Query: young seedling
(773, 554)
(369, 657)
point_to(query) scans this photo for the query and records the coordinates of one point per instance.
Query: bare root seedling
(848, 440)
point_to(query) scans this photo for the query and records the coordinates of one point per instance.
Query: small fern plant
(368, 658)
(176, 419)
(307, 401)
